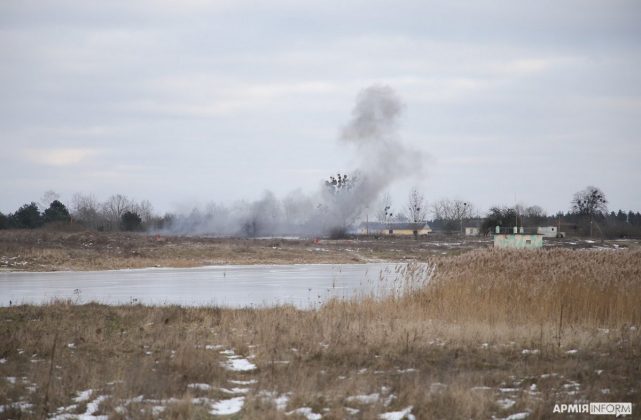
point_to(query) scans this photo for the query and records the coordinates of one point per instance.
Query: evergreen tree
(27, 217)
(130, 221)
(57, 212)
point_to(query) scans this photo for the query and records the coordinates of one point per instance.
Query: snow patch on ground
(280, 401)
(305, 412)
(518, 416)
(364, 399)
(506, 403)
(213, 347)
(92, 406)
(83, 395)
(227, 407)
(20, 405)
(238, 382)
(405, 413)
(235, 390)
(89, 413)
(201, 387)
(239, 365)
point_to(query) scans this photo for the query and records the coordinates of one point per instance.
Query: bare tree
(589, 203)
(340, 183)
(384, 209)
(530, 215)
(344, 205)
(114, 208)
(85, 209)
(48, 197)
(145, 210)
(416, 206)
(452, 212)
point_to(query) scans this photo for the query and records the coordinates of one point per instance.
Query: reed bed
(588, 288)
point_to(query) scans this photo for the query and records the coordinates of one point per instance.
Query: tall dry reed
(589, 288)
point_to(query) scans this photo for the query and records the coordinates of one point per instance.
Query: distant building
(517, 238)
(550, 232)
(395, 228)
(472, 231)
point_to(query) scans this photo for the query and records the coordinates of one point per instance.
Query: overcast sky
(183, 102)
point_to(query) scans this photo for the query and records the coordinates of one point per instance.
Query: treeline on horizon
(588, 216)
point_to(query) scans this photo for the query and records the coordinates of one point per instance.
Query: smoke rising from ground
(382, 159)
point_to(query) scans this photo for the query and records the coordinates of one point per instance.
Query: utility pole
(461, 216)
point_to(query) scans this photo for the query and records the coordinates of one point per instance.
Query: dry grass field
(42, 250)
(51, 250)
(492, 335)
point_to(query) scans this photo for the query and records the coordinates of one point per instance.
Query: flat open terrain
(493, 334)
(45, 250)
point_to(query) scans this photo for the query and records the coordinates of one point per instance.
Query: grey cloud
(180, 95)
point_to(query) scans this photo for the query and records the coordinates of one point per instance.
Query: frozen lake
(305, 285)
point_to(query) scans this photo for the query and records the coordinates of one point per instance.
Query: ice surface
(303, 285)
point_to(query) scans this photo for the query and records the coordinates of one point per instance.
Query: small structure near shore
(472, 231)
(394, 228)
(517, 238)
(550, 232)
